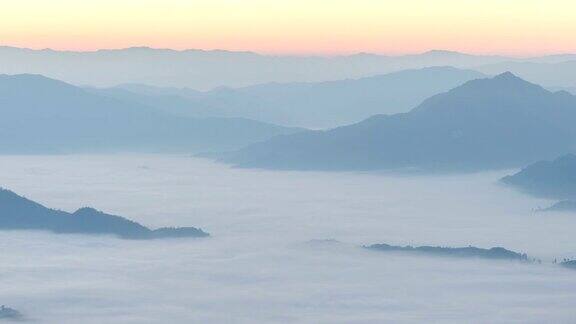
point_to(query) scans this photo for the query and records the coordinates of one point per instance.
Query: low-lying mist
(258, 266)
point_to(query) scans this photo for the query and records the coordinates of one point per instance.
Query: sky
(512, 27)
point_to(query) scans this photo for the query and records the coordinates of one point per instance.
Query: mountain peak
(507, 76)
(503, 87)
(504, 83)
(87, 211)
(512, 82)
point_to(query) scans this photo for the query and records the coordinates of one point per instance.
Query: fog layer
(258, 266)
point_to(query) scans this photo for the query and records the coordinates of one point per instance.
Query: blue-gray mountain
(8, 313)
(465, 252)
(19, 213)
(562, 206)
(570, 264)
(312, 105)
(550, 179)
(484, 124)
(41, 115)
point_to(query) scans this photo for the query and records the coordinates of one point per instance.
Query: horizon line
(287, 54)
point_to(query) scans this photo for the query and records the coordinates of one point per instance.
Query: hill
(562, 206)
(550, 179)
(19, 213)
(463, 252)
(8, 313)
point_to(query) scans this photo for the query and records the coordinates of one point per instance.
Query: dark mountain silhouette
(41, 115)
(562, 206)
(19, 213)
(487, 123)
(314, 105)
(550, 179)
(464, 252)
(199, 69)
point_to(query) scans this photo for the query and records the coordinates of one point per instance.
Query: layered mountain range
(498, 122)
(42, 115)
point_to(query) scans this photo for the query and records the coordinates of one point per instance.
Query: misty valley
(263, 225)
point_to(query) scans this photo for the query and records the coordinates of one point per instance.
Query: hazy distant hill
(312, 105)
(204, 70)
(171, 100)
(571, 90)
(553, 73)
(19, 213)
(488, 123)
(496, 253)
(551, 179)
(562, 206)
(10, 314)
(42, 115)
(570, 264)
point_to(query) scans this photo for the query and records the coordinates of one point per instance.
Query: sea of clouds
(260, 266)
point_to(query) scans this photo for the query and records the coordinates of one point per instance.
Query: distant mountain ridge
(500, 122)
(42, 115)
(19, 213)
(203, 70)
(310, 104)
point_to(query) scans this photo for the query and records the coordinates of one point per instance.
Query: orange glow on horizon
(512, 27)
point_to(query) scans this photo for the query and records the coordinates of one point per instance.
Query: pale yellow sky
(517, 27)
